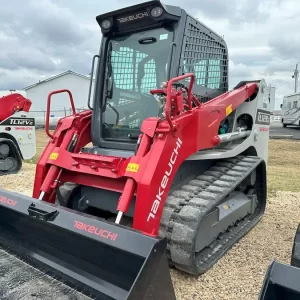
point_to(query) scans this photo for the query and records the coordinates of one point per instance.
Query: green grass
(284, 166)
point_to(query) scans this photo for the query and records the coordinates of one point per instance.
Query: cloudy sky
(45, 37)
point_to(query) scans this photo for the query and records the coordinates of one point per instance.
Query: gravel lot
(21, 182)
(240, 272)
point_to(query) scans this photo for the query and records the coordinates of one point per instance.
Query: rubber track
(16, 171)
(185, 208)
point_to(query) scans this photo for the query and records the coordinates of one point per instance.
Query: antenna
(296, 74)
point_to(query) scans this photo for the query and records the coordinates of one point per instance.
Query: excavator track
(10, 159)
(186, 208)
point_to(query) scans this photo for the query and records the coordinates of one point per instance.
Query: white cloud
(268, 46)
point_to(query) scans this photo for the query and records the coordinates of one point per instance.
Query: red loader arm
(71, 134)
(186, 127)
(187, 132)
(12, 103)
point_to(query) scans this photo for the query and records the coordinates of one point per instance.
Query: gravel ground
(21, 182)
(239, 274)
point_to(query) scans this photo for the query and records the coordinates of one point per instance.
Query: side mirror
(280, 105)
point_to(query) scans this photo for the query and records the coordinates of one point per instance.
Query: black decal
(133, 17)
(19, 121)
(262, 117)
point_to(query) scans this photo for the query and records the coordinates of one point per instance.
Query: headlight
(106, 24)
(156, 12)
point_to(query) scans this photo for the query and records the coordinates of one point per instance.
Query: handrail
(169, 88)
(49, 105)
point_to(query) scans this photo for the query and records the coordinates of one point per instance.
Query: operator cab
(143, 46)
(138, 63)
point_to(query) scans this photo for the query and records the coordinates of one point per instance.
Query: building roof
(56, 76)
(290, 95)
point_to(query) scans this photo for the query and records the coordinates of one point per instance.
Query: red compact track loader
(17, 133)
(166, 167)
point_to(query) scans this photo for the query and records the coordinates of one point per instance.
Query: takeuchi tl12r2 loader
(17, 133)
(176, 173)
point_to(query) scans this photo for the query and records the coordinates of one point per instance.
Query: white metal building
(77, 83)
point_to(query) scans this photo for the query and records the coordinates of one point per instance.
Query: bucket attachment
(295, 261)
(73, 253)
(281, 282)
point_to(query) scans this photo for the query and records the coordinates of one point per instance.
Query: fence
(55, 115)
(275, 119)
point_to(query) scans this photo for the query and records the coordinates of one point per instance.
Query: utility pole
(296, 75)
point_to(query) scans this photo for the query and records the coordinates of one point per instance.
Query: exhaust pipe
(98, 259)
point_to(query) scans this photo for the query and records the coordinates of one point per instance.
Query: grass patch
(283, 166)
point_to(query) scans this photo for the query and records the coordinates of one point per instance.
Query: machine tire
(283, 124)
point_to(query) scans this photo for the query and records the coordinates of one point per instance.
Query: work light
(156, 12)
